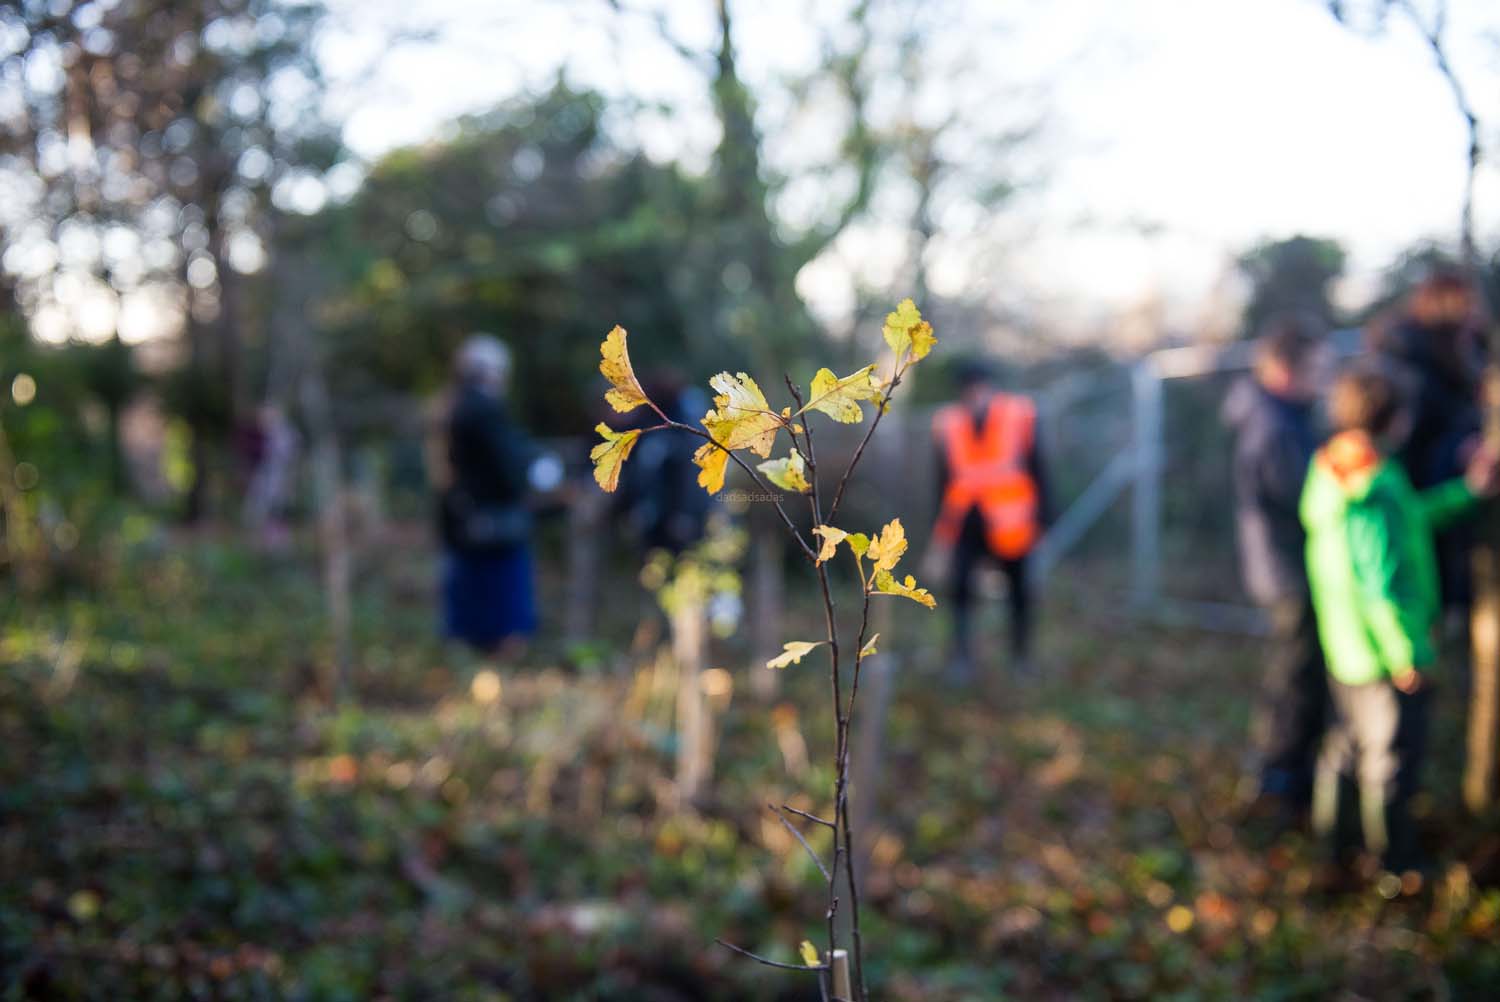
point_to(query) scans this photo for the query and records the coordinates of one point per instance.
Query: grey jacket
(1274, 443)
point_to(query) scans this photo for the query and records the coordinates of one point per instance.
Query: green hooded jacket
(1371, 559)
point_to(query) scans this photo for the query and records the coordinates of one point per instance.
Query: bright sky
(1176, 132)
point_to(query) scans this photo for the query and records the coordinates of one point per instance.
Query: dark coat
(1274, 443)
(1442, 413)
(1442, 399)
(488, 454)
(659, 497)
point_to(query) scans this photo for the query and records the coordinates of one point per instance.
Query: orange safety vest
(988, 471)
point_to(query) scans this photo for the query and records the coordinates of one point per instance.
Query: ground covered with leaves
(183, 816)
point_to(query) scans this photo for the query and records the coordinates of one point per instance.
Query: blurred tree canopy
(172, 162)
(1290, 274)
(148, 145)
(530, 224)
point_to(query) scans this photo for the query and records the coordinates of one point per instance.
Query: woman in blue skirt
(489, 597)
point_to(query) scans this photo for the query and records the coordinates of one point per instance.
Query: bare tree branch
(859, 452)
(811, 817)
(767, 961)
(799, 837)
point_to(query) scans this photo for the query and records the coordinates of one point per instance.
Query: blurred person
(659, 497)
(1434, 350)
(1271, 414)
(488, 593)
(276, 446)
(1372, 567)
(992, 506)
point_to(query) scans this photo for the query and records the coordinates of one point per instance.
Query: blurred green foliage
(1291, 275)
(60, 415)
(529, 223)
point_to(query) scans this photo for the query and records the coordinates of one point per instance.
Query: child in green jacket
(1372, 567)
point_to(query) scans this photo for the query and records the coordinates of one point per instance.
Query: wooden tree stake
(842, 992)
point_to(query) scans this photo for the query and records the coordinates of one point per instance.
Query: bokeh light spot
(23, 389)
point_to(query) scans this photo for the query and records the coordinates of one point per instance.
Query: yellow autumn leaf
(922, 340)
(790, 474)
(614, 363)
(792, 652)
(810, 954)
(741, 419)
(869, 647)
(886, 549)
(831, 539)
(609, 455)
(712, 462)
(906, 332)
(839, 398)
(886, 584)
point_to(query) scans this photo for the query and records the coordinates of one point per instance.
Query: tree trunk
(333, 536)
(1480, 772)
(695, 738)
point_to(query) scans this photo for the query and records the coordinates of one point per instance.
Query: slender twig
(769, 962)
(833, 911)
(807, 550)
(659, 413)
(812, 854)
(880, 409)
(859, 652)
(792, 425)
(854, 936)
(854, 931)
(811, 817)
(841, 722)
(809, 457)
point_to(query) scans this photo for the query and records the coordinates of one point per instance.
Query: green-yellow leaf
(922, 341)
(886, 584)
(859, 543)
(887, 548)
(712, 462)
(839, 398)
(789, 474)
(869, 647)
(792, 652)
(810, 954)
(906, 332)
(609, 455)
(741, 418)
(831, 539)
(614, 363)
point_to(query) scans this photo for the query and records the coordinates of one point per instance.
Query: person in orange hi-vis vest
(992, 505)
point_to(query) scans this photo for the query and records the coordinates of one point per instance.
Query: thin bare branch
(799, 837)
(1432, 34)
(811, 817)
(786, 519)
(859, 452)
(769, 962)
